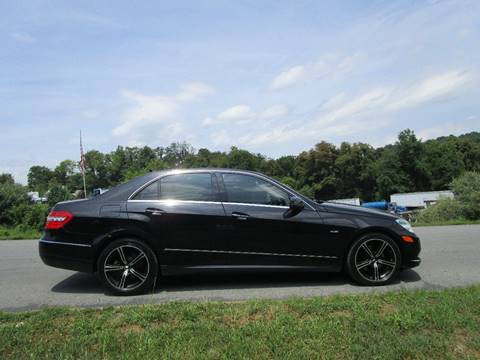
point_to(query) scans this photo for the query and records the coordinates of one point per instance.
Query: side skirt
(167, 270)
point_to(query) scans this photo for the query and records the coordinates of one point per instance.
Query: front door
(261, 233)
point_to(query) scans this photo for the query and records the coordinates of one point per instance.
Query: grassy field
(406, 325)
(9, 233)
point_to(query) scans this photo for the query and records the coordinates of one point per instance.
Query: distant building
(352, 201)
(35, 197)
(417, 200)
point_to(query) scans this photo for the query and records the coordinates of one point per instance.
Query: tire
(373, 260)
(128, 267)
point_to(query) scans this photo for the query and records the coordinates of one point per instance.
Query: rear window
(194, 186)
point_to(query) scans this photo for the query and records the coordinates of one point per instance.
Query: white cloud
(274, 111)
(326, 65)
(445, 130)
(157, 116)
(433, 88)
(242, 114)
(22, 37)
(366, 112)
(288, 77)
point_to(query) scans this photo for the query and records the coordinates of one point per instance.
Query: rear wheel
(128, 267)
(373, 259)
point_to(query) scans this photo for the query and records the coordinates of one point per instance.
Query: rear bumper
(66, 255)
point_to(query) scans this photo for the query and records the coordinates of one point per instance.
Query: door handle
(240, 216)
(152, 211)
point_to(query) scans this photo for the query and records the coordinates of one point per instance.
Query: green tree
(11, 195)
(316, 168)
(58, 193)
(6, 178)
(39, 178)
(354, 171)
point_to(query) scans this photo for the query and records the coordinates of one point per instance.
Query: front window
(193, 186)
(253, 190)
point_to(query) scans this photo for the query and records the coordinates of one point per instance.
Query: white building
(420, 199)
(352, 201)
(35, 197)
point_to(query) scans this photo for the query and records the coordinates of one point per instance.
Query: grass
(404, 325)
(447, 222)
(16, 233)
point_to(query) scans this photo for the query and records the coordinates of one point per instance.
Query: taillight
(58, 219)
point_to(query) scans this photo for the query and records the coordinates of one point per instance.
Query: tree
(411, 152)
(39, 178)
(11, 195)
(354, 171)
(316, 168)
(6, 178)
(58, 193)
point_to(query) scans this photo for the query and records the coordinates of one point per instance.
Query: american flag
(82, 162)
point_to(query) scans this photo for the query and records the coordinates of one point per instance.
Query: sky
(274, 77)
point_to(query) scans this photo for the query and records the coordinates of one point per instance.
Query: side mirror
(296, 205)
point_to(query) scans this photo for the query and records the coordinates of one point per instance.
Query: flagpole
(82, 166)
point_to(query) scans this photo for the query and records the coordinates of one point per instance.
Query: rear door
(183, 214)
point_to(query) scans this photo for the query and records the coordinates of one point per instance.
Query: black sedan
(179, 221)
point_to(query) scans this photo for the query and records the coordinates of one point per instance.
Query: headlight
(405, 224)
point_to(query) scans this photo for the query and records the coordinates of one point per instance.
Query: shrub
(445, 210)
(30, 216)
(11, 195)
(467, 191)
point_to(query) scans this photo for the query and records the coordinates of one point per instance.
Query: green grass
(404, 325)
(447, 222)
(15, 233)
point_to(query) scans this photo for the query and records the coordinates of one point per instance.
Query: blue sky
(274, 77)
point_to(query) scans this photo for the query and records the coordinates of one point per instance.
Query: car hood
(354, 210)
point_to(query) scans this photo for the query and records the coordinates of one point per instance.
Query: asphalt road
(450, 257)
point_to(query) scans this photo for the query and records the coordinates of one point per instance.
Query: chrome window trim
(211, 172)
(173, 201)
(250, 253)
(64, 243)
(259, 205)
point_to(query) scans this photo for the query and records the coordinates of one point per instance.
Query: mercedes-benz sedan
(180, 221)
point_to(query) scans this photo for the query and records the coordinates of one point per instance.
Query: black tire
(128, 267)
(373, 260)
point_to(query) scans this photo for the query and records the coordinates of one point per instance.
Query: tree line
(324, 172)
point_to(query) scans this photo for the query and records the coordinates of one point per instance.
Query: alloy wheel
(375, 260)
(126, 267)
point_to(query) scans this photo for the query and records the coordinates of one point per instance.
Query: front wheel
(128, 267)
(373, 259)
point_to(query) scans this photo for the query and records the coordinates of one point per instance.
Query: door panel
(182, 228)
(182, 215)
(261, 234)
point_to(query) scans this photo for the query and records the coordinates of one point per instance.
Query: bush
(11, 195)
(30, 216)
(467, 191)
(465, 206)
(445, 210)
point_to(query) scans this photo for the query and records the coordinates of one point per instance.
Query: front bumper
(411, 263)
(65, 255)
